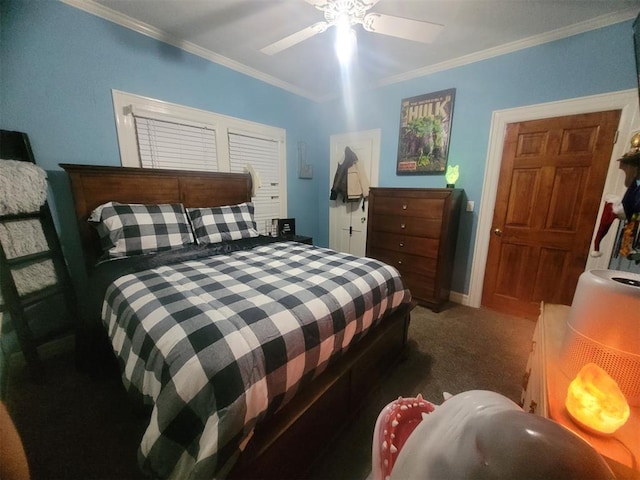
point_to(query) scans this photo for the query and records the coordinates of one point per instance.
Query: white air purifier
(604, 328)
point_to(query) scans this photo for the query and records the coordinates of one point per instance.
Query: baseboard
(457, 297)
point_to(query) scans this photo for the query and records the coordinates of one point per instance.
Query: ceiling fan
(355, 12)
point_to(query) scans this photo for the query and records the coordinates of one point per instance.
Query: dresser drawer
(415, 230)
(406, 262)
(409, 207)
(412, 226)
(424, 247)
(421, 287)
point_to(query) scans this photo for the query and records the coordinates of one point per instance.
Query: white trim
(125, 103)
(106, 13)
(533, 41)
(373, 136)
(626, 100)
(138, 111)
(457, 297)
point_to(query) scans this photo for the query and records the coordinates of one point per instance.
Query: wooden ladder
(48, 313)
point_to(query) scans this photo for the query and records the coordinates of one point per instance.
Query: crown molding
(105, 13)
(101, 11)
(533, 41)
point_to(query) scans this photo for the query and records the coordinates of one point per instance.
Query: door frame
(375, 135)
(625, 100)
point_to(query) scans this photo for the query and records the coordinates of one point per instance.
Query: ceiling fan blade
(295, 38)
(319, 4)
(415, 30)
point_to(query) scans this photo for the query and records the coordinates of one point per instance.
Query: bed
(253, 352)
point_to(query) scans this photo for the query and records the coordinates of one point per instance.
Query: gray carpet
(453, 351)
(74, 427)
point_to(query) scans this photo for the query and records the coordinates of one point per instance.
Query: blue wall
(59, 64)
(592, 63)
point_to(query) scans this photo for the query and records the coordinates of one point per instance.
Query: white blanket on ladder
(23, 189)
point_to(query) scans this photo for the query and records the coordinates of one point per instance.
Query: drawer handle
(404, 206)
(399, 262)
(401, 244)
(402, 225)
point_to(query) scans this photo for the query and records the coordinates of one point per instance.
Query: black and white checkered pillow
(216, 224)
(134, 229)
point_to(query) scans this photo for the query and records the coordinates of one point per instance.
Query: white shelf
(544, 394)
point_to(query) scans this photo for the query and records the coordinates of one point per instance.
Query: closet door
(348, 220)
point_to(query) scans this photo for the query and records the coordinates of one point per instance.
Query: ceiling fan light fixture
(344, 14)
(345, 44)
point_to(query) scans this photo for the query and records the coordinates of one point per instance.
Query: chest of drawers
(415, 230)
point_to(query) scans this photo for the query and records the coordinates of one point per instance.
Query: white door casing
(626, 100)
(348, 221)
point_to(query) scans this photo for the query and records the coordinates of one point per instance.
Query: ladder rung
(14, 217)
(26, 260)
(35, 297)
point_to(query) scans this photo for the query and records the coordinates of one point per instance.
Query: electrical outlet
(470, 205)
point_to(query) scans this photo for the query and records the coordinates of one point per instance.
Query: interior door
(348, 220)
(551, 180)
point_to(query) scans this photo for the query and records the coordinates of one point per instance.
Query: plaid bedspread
(216, 344)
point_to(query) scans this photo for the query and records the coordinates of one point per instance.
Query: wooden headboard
(94, 185)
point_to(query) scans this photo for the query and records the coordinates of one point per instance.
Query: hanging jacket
(340, 187)
(357, 183)
(350, 181)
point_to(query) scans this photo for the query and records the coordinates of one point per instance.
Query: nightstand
(302, 239)
(297, 238)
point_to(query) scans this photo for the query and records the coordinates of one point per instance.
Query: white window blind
(263, 154)
(158, 134)
(166, 144)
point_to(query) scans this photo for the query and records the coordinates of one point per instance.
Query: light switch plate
(470, 205)
(306, 171)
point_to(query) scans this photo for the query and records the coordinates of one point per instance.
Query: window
(260, 154)
(157, 134)
(163, 144)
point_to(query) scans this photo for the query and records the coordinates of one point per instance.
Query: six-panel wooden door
(551, 180)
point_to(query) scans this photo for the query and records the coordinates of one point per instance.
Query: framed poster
(425, 129)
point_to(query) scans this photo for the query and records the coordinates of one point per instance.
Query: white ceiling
(232, 32)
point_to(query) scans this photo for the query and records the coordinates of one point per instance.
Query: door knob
(497, 231)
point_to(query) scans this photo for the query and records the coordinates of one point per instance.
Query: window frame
(125, 104)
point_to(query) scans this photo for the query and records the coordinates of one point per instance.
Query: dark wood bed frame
(286, 445)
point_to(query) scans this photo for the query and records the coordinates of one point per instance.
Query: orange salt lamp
(595, 402)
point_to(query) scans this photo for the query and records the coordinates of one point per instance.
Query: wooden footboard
(285, 446)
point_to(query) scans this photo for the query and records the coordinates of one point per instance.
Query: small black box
(286, 227)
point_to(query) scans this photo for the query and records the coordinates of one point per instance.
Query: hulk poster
(425, 128)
